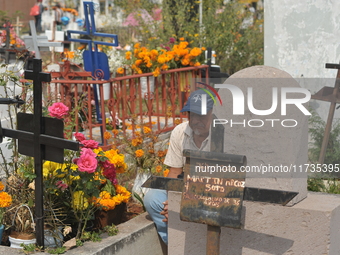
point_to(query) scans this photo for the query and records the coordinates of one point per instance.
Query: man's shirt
(182, 138)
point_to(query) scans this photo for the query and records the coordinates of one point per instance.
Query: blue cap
(194, 103)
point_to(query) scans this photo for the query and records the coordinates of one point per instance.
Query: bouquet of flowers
(165, 57)
(87, 181)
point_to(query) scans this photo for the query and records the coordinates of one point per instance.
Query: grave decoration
(46, 136)
(332, 95)
(215, 198)
(94, 61)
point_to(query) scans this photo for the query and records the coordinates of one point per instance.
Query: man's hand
(165, 211)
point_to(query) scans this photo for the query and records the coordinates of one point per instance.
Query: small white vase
(144, 86)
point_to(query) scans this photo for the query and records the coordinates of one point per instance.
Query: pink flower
(92, 144)
(87, 162)
(79, 137)
(61, 185)
(87, 151)
(58, 110)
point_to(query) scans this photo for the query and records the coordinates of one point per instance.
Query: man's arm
(173, 173)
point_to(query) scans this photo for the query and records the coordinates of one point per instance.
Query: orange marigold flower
(120, 70)
(195, 52)
(115, 132)
(164, 67)
(5, 199)
(128, 55)
(177, 121)
(166, 172)
(185, 62)
(107, 135)
(138, 62)
(161, 154)
(139, 153)
(146, 130)
(181, 39)
(2, 186)
(135, 142)
(203, 48)
(158, 169)
(156, 72)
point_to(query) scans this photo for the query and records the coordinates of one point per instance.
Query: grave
(310, 223)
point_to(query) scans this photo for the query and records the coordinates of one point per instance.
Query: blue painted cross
(94, 61)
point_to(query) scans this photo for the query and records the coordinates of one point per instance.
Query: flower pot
(16, 239)
(107, 218)
(144, 86)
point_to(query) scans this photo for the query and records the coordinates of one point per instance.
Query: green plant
(317, 132)
(139, 199)
(111, 230)
(237, 46)
(30, 248)
(58, 250)
(91, 236)
(315, 184)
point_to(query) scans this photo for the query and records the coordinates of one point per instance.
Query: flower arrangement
(144, 60)
(144, 150)
(87, 179)
(5, 201)
(15, 40)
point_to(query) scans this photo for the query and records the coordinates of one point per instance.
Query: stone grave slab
(276, 145)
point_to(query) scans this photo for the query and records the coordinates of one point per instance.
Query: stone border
(136, 236)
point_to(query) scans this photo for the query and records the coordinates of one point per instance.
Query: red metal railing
(157, 106)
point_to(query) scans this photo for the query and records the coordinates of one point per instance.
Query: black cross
(46, 136)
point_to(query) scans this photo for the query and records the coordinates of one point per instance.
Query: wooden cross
(228, 212)
(331, 95)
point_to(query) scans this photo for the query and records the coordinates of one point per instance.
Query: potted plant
(23, 227)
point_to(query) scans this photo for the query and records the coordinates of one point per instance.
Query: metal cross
(93, 62)
(331, 95)
(44, 134)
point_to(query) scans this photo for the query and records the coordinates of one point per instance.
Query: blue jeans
(153, 202)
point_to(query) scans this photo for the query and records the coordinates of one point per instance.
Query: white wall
(300, 38)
